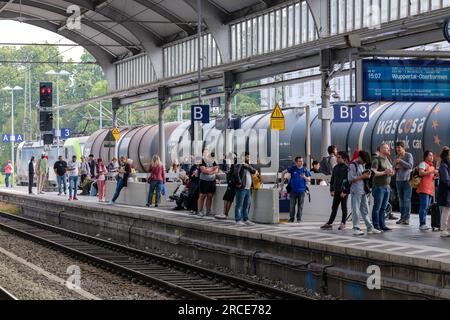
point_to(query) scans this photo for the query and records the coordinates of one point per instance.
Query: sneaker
(240, 223)
(248, 223)
(326, 226)
(444, 234)
(342, 226)
(220, 216)
(201, 214)
(299, 220)
(400, 221)
(193, 213)
(386, 229)
(147, 205)
(405, 222)
(291, 221)
(70, 198)
(357, 232)
(392, 217)
(373, 231)
(75, 198)
(424, 227)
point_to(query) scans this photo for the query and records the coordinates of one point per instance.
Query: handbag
(256, 179)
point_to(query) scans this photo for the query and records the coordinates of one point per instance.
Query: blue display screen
(405, 80)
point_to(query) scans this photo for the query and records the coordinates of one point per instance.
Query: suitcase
(435, 212)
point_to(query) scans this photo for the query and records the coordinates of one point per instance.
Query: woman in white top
(100, 175)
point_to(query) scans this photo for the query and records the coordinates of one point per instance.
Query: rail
(179, 279)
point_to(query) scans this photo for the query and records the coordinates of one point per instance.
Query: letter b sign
(200, 113)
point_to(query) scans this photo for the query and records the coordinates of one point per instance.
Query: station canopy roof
(115, 29)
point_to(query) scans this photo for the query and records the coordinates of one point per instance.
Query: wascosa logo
(405, 126)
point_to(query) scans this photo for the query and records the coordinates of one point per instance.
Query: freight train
(422, 126)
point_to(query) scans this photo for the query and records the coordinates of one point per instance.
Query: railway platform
(403, 264)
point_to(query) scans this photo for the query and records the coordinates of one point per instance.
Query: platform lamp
(16, 88)
(58, 129)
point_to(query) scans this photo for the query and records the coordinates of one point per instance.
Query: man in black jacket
(339, 189)
(243, 182)
(30, 175)
(92, 165)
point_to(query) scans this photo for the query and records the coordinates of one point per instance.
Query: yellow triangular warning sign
(277, 113)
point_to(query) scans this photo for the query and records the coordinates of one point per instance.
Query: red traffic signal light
(45, 94)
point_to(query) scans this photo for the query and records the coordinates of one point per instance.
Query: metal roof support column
(229, 85)
(115, 108)
(325, 113)
(162, 104)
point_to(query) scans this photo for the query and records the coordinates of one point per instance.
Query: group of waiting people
(363, 176)
(201, 185)
(88, 172)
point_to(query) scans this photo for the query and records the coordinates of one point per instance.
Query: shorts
(229, 195)
(207, 187)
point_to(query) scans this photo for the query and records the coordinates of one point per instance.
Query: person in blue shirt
(297, 187)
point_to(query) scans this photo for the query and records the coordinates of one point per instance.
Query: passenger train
(422, 126)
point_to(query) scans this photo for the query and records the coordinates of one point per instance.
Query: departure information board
(403, 80)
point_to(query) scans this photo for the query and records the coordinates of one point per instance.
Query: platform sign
(63, 134)
(277, 121)
(403, 80)
(351, 113)
(200, 113)
(115, 133)
(12, 138)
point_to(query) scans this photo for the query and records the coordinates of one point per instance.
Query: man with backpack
(359, 178)
(296, 187)
(328, 163)
(403, 165)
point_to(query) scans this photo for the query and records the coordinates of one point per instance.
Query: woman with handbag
(426, 187)
(156, 179)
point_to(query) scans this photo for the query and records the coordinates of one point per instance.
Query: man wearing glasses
(296, 187)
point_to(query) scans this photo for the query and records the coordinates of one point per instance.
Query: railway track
(175, 278)
(5, 295)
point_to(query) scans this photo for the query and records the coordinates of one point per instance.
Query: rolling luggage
(435, 213)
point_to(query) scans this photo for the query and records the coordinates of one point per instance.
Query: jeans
(445, 214)
(425, 200)
(242, 206)
(120, 184)
(61, 180)
(101, 184)
(404, 191)
(380, 201)
(154, 185)
(360, 205)
(7, 175)
(73, 186)
(338, 200)
(296, 198)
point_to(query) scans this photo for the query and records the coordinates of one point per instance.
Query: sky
(24, 33)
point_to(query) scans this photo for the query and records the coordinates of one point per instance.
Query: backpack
(325, 166)
(414, 178)
(367, 182)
